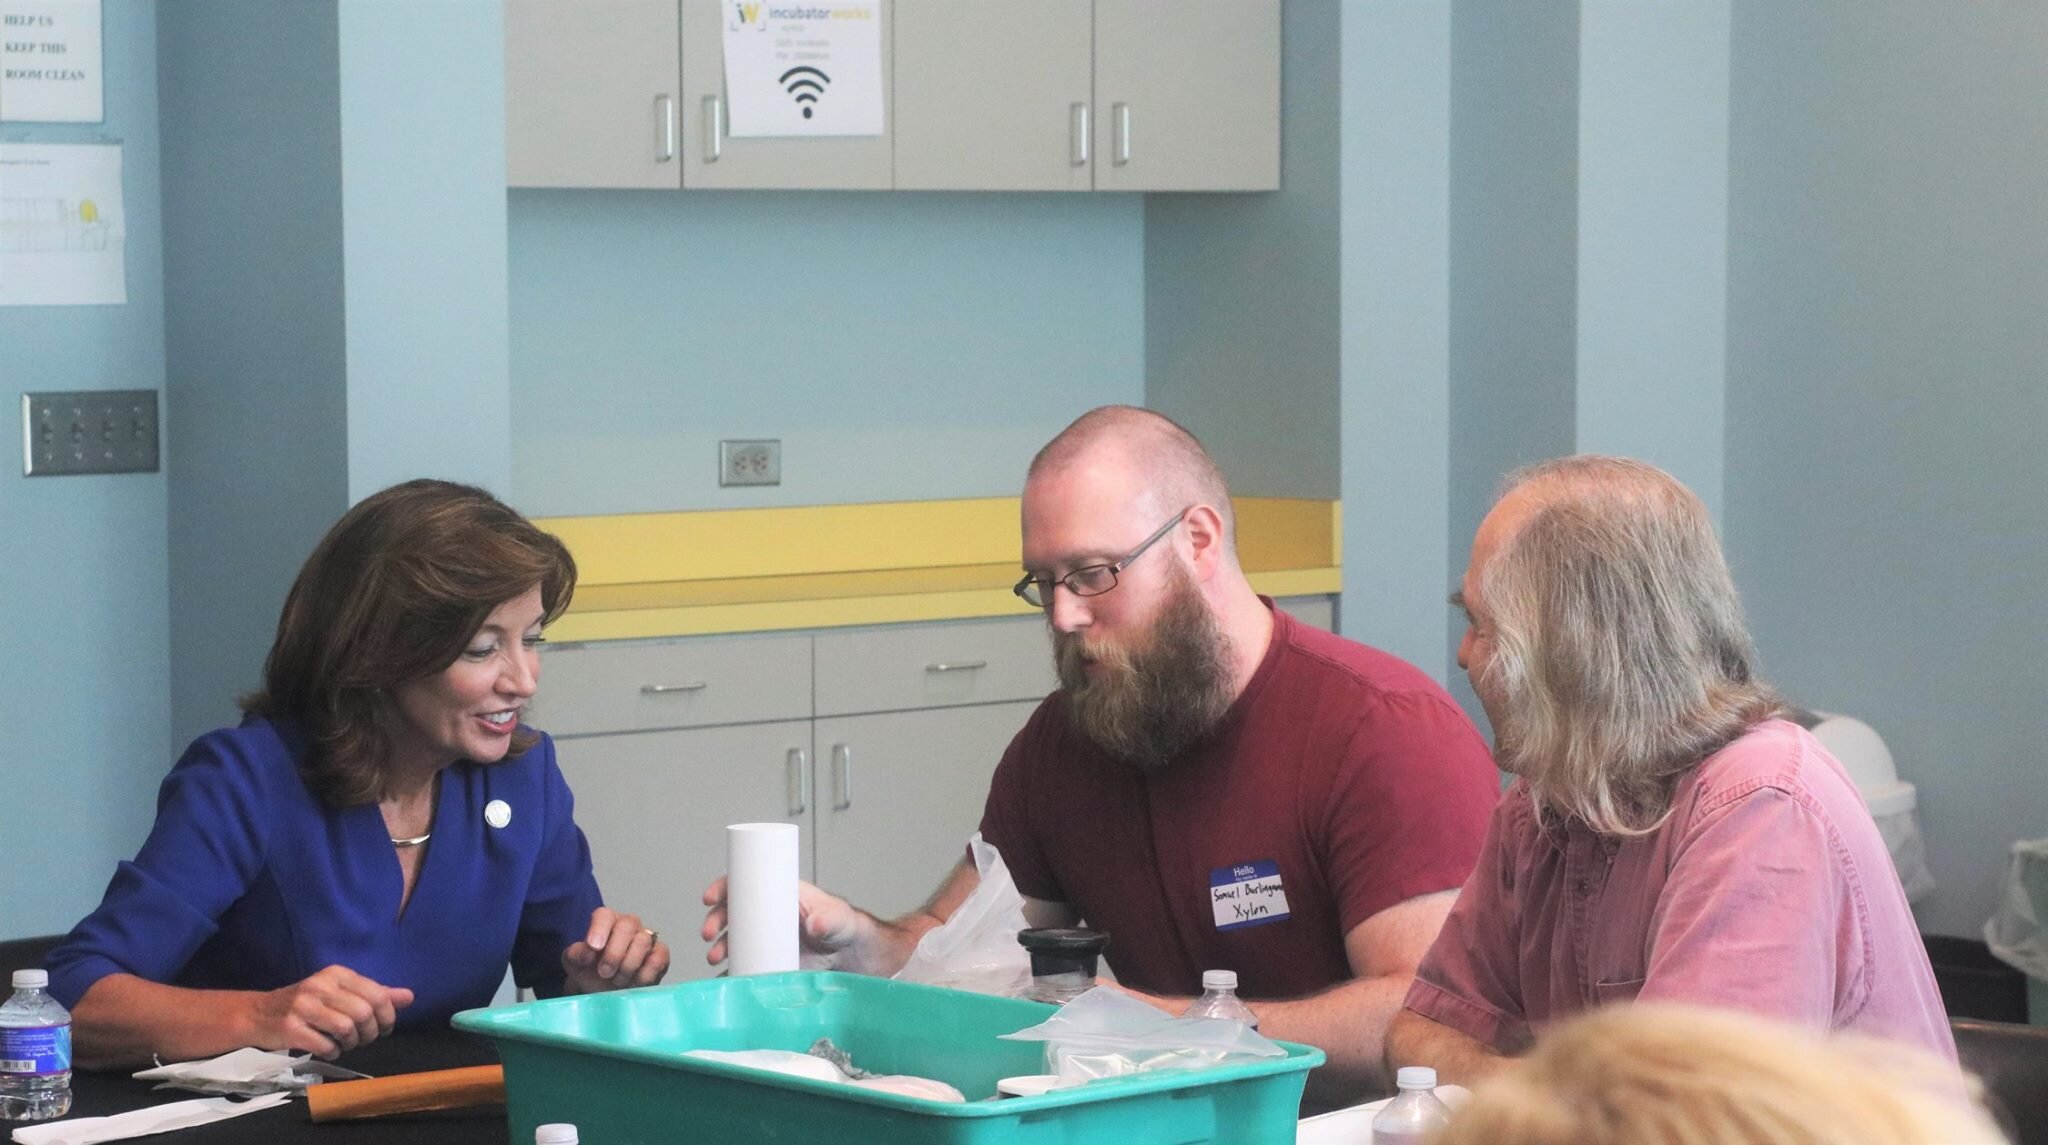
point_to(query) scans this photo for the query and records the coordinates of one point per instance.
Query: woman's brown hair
(393, 593)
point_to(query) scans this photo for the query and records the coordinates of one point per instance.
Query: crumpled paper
(143, 1122)
(247, 1072)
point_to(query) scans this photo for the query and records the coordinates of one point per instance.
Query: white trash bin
(1892, 801)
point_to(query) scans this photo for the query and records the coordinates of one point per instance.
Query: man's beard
(1156, 695)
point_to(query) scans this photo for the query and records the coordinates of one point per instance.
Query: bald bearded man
(1214, 783)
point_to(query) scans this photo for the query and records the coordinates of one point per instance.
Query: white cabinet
(591, 90)
(898, 795)
(993, 95)
(1314, 611)
(1187, 95)
(998, 95)
(712, 158)
(665, 742)
(654, 806)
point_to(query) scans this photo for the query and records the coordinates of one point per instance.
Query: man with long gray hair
(1667, 836)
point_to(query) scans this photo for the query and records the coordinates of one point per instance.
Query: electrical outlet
(88, 431)
(750, 462)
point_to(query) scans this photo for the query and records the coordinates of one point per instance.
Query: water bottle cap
(31, 979)
(556, 1134)
(1416, 1077)
(1219, 979)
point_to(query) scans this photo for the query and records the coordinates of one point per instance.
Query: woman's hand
(617, 953)
(334, 1010)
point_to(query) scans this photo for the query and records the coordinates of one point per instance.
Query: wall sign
(795, 68)
(50, 68)
(63, 236)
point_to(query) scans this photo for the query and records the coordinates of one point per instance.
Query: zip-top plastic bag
(976, 949)
(1107, 1033)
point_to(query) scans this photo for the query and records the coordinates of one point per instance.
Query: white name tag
(1248, 894)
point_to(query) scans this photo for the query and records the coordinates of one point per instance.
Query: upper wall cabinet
(1187, 95)
(713, 158)
(591, 91)
(989, 95)
(993, 95)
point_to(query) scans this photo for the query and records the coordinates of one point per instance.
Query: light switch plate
(88, 431)
(750, 462)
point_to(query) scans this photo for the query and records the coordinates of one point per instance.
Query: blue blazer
(248, 882)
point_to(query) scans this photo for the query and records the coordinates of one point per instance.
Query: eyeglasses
(1088, 580)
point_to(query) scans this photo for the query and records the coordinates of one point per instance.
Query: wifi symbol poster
(797, 68)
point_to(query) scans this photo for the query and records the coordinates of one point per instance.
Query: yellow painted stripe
(736, 544)
(836, 612)
(758, 570)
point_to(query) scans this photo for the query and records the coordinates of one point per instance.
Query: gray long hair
(1620, 652)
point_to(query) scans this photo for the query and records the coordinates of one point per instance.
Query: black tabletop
(99, 1094)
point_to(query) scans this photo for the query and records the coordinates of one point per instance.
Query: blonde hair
(1621, 653)
(1661, 1074)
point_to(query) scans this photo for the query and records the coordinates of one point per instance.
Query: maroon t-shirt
(1343, 781)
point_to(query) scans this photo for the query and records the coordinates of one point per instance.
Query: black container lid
(1063, 949)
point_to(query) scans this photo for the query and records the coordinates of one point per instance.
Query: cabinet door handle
(664, 128)
(842, 777)
(956, 666)
(665, 689)
(1122, 112)
(795, 763)
(1077, 127)
(714, 127)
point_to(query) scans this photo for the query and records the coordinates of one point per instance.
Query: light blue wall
(1395, 259)
(901, 346)
(1887, 393)
(258, 453)
(422, 129)
(337, 318)
(1241, 292)
(1514, 242)
(1653, 235)
(84, 682)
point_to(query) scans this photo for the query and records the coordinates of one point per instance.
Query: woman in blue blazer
(381, 835)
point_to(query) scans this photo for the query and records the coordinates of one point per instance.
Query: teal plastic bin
(612, 1064)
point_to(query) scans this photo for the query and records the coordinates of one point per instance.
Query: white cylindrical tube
(760, 897)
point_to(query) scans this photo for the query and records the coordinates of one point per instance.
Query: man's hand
(618, 952)
(331, 1011)
(834, 934)
(1457, 1057)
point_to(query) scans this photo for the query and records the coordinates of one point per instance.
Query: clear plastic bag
(1901, 835)
(2015, 934)
(976, 949)
(1107, 1033)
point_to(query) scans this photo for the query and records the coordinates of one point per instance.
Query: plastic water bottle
(1415, 1112)
(35, 1051)
(1219, 999)
(560, 1133)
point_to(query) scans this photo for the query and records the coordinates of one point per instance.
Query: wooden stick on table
(406, 1093)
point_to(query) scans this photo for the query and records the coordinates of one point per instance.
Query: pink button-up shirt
(1767, 889)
